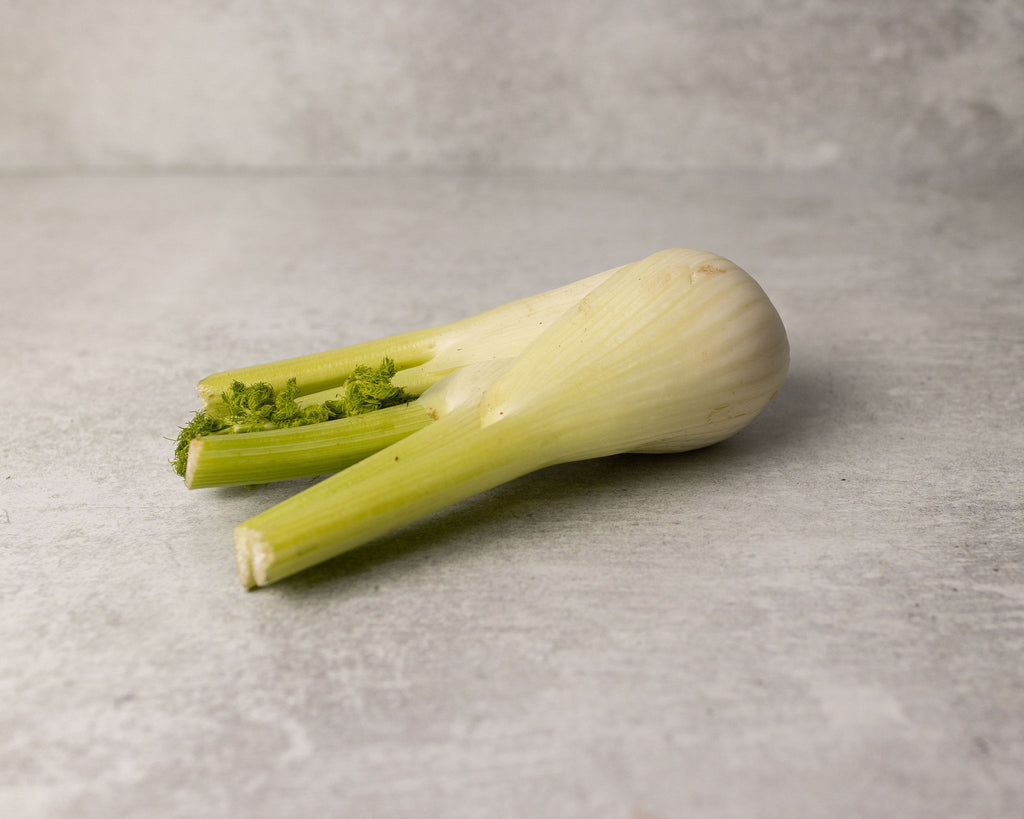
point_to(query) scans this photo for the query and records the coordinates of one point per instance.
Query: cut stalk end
(243, 558)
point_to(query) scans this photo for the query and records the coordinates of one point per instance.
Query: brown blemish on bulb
(706, 271)
(716, 412)
(723, 412)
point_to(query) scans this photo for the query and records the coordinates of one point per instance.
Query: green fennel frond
(253, 407)
(368, 389)
(201, 424)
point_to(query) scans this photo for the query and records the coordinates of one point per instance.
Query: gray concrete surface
(822, 617)
(657, 84)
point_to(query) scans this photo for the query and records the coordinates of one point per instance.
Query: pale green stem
(324, 370)
(247, 458)
(442, 464)
(422, 356)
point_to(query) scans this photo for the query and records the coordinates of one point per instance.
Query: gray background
(822, 617)
(651, 84)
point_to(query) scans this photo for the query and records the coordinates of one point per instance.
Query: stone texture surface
(654, 84)
(823, 616)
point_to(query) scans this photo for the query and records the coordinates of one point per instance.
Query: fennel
(687, 335)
